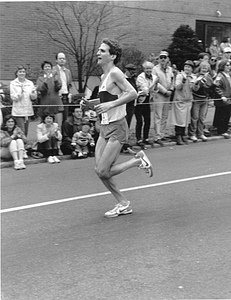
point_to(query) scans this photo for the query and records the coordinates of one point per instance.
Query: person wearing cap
(226, 55)
(182, 102)
(162, 99)
(225, 44)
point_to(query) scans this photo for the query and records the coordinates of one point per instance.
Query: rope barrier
(152, 102)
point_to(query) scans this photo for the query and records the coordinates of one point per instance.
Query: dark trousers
(180, 130)
(66, 108)
(49, 148)
(222, 114)
(143, 115)
(130, 109)
(66, 148)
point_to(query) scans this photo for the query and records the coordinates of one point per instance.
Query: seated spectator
(48, 135)
(201, 93)
(69, 127)
(182, 102)
(223, 93)
(94, 120)
(48, 85)
(12, 140)
(81, 140)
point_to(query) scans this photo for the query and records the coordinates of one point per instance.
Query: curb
(30, 160)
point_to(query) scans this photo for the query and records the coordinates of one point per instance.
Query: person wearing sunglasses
(223, 103)
(162, 99)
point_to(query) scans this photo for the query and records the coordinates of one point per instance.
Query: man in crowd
(162, 99)
(66, 79)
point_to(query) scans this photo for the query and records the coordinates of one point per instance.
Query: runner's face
(103, 54)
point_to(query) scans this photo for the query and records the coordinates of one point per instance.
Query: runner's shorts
(115, 131)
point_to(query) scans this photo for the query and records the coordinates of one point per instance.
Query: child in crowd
(12, 140)
(81, 140)
(48, 135)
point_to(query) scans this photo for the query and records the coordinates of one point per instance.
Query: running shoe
(55, 159)
(145, 163)
(118, 210)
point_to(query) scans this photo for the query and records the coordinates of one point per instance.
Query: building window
(208, 31)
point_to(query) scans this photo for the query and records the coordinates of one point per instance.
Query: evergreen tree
(184, 46)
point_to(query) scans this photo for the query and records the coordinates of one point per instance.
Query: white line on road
(7, 210)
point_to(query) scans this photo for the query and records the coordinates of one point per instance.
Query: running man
(114, 92)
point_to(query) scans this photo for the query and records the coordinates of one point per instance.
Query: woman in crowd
(214, 48)
(12, 140)
(182, 102)
(48, 85)
(22, 91)
(201, 92)
(223, 93)
(48, 135)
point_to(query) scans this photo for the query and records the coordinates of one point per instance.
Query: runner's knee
(102, 173)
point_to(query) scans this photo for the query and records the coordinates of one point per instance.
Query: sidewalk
(132, 141)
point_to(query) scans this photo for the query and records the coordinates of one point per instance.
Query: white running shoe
(203, 137)
(50, 160)
(193, 138)
(145, 163)
(55, 159)
(118, 210)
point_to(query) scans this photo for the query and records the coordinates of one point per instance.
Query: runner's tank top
(116, 113)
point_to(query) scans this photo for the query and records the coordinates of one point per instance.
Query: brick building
(150, 23)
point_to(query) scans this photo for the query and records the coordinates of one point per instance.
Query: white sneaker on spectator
(80, 155)
(193, 138)
(226, 135)
(21, 164)
(50, 160)
(56, 160)
(25, 154)
(17, 164)
(203, 137)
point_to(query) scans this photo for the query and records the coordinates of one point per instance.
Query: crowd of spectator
(68, 129)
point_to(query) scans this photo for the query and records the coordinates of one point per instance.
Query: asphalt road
(56, 244)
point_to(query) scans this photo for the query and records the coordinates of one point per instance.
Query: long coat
(182, 102)
(49, 94)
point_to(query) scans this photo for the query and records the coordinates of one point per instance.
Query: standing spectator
(162, 99)
(225, 56)
(69, 127)
(146, 83)
(201, 92)
(213, 63)
(223, 105)
(81, 141)
(64, 75)
(12, 140)
(182, 103)
(214, 48)
(48, 135)
(22, 91)
(225, 43)
(48, 85)
(130, 75)
(203, 56)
